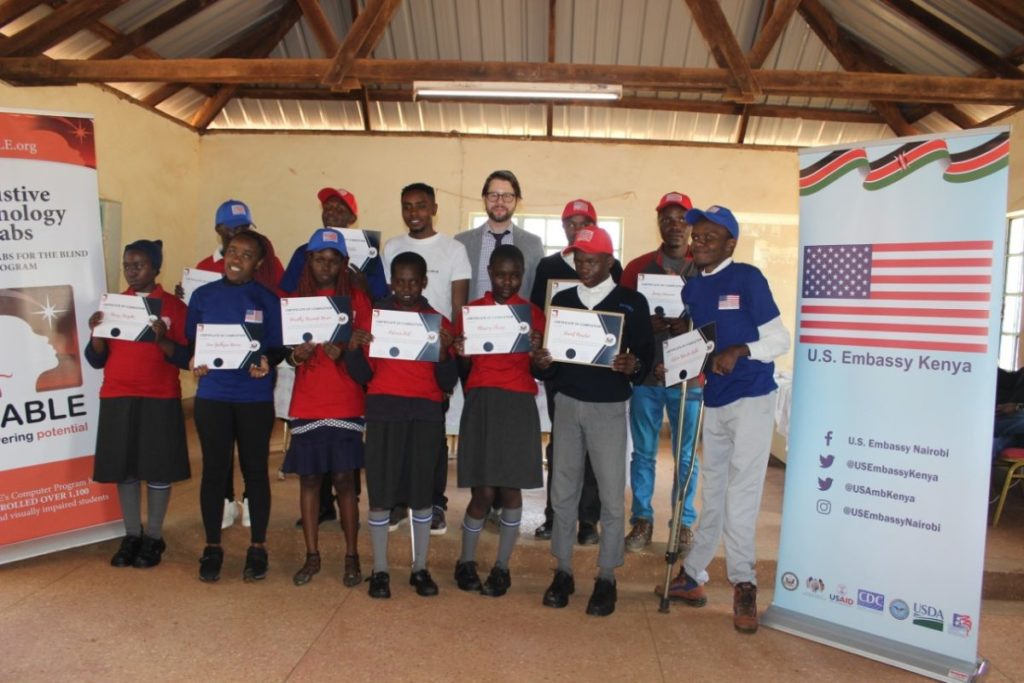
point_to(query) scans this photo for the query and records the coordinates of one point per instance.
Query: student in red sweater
(499, 436)
(327, 409)
(404, 426)
(141, 432)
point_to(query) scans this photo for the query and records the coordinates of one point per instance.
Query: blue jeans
(647, 410)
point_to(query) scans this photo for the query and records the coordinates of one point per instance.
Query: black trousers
(221, 425)
(590, 500)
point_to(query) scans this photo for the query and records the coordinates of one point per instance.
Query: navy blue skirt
(324, 446)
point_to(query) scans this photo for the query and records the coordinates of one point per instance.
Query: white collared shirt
(592, 296)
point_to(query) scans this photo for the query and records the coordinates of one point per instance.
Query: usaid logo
(928, 616)
(875, 601)
(841, 596)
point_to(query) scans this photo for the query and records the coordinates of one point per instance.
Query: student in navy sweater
(237, 406)
(141, 431)
(590, 415)
(404, 427)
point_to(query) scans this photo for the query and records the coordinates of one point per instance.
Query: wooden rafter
(321, 26)
(713, 25)
(12, 9)
(55, 27)
(773, 26)
(152, 29)
(373, 19)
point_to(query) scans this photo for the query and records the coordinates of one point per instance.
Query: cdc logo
(875, 601)
(899, 609)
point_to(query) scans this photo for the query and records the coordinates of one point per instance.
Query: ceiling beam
(56, 27)
(713, 25)
(377, 13)
(775, 23)
(1010, 12)
(552, 16)
(154, 28)
(12, 9)
(956, 38)
(321, 26)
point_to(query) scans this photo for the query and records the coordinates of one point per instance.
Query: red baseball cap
(675, 199)
(579, 207)
(591, 240)
(344, 195)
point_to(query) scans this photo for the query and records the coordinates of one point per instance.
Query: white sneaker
(246, 521)
(230, 513)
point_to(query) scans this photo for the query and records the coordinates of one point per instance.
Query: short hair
(409, 258)
(420, 187)
(508, 176)
(507, 252)
(260, 240)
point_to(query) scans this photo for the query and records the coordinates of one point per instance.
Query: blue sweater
(738, 300)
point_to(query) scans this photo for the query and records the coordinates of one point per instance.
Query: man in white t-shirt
(447, 290)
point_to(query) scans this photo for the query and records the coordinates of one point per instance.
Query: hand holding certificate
(687, 355)
(405, 335)
(586, 337)
(496, 329)
(663, 293)
(193, 278)
(128, 318)
(225, 347)
(316, 319)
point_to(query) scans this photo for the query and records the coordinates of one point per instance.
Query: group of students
(351, 411)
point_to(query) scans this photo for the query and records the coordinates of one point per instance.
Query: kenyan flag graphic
(901, 162)
(983, 160)
(834, 166)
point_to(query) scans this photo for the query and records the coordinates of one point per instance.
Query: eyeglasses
(503, 197)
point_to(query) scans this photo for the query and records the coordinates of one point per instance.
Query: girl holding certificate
(141, 431)
(499, 436)
(234, 404)
(327, 409)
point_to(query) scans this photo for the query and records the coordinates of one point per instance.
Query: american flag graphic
(932, 296)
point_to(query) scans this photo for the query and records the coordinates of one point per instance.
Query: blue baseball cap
(232, 214)
(719, 215)
(326, 238)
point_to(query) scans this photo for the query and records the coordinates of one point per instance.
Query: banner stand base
(61, 541)
(920, 661)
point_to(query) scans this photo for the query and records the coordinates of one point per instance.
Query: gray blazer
(526, 242)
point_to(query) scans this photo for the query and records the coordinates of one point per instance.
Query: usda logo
(928, 617)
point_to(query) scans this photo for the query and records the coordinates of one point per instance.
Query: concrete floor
(70, 616)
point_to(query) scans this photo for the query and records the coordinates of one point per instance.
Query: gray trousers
(599, 428)
(737, 441)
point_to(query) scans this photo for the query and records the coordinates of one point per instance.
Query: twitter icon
(824, 484)
(826, 461)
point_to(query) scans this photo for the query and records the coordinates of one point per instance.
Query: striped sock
(510, 519)
(470, 535)
(378, 522)
(421, 520)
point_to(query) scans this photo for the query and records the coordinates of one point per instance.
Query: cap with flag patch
(327, 238)
(591, 240)
(344, 195)
(232, 214)
(675, 199)
(719, 215)
(579, 207)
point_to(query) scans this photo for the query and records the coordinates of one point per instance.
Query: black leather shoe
(497, 584)
(557, 594)
(380, 585)
(588, 534)
(425, 585)
(149, 553)
(602, 600)
(125, 555)
(210, 562)
(466, 576)
(256, 564)
(543, 532)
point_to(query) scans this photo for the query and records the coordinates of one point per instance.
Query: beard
(499, 214)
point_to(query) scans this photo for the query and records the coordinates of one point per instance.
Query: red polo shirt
(510, 371)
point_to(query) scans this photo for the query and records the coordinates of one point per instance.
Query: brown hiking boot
(685, 589)
(639, 537)
(685, 540)
(744, 607)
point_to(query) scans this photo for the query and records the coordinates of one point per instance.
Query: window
(549, 230)
(1013, 292)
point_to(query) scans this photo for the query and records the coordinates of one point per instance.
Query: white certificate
(663, 293)
(405, 335)
(576, 335)
(363, 246)
(686, 356)
(225, 347)
(127, 317)
(316, 319)
(496, 329)
(194, 278)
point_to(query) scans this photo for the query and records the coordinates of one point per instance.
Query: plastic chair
(1013, 460)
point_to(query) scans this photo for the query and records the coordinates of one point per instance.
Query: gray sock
(158, 496)
(607, 574)
(378, 522)
(421, 537)
(470, 535)
(510, 518)
(130, 495)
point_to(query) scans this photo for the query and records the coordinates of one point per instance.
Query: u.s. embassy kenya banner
(51, 278)
(884, 516)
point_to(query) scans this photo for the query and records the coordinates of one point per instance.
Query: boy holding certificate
(404, 419)
(499, 436)
(590, 414)
(739, 399)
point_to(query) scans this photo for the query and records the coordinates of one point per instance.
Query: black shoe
(125, 555)
(588, 534)
(497, 584)
(602, 600)
(543, 532)
(557, 594)
(380, 585)
(425, 585)
(149, 553)
(256, 563)
(210, 562)
(466, 576)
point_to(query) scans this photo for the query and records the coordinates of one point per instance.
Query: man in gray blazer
(501, 194)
